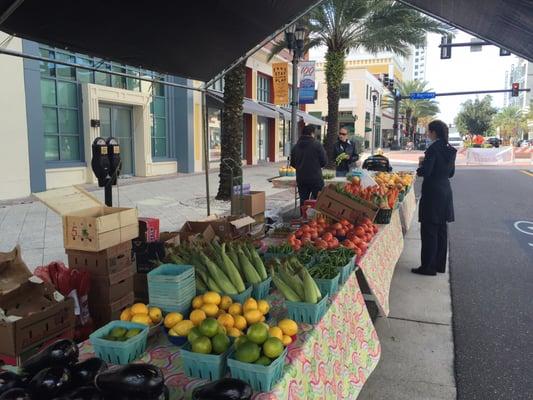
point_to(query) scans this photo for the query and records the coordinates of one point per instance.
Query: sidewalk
(416, 339)
(173, 200)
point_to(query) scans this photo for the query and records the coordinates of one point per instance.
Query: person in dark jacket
(344, 146)
(308, 157)
(436, 203)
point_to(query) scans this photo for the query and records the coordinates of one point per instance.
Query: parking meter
(113, 150)
(100, 160)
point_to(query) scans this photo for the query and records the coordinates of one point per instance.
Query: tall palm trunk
(408, 115)
(334, 71)
(231, 130)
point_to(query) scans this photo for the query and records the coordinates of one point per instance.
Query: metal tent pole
(206, 150)
(294, 102)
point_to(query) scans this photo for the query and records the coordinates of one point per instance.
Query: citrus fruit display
(209, 337)
(142, 314)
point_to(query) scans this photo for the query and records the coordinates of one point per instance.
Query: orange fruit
(197, 316)
(210, 309)
(212, 298)
(249, 304)
(225, 302)
(235, 309)
(226, 320)
(239, 322)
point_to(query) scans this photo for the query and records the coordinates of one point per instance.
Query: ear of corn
(310, 293)
(285, 290)
(218, 276)
(249, 271)
(258, 263)
(293, 281)
(234, 258)
(231, 270)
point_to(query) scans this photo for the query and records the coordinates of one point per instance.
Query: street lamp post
(375, 94)
(294, 36)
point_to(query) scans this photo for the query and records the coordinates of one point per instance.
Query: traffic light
(504, 52)
(445, 51)
(386, 80)
(515, 89)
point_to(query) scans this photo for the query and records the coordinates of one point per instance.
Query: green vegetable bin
(260, 377)
(260, 290)
(241, 297)
(308, 313)
(328, 286)
(346, 270)
(204, 366)
(172, 287)
(119, 352)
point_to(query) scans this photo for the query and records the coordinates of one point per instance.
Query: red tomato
(321, 220)
(337, 226)
(327, 236)
(291, 237)
(366, 220)
(314, 235)
(298, 242)
(321, 244)
(313, 224)
(363, 247)
(334, 243)
(349, 226)
(320, 230)
(358, 251)
(306, 236)
(359, 231)
(305, 228)
(374, 228)
(368, 238)
(344, 222)
(351, 235)
(341, 232)
(296, 247)
(298, 233)
(348, 244)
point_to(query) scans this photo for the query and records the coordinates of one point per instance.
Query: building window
(218, 85)
(159, 119)
(263, 88)
(416, 66)
(345, 91)
(367, 91)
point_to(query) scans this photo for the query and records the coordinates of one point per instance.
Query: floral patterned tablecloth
(380, 260)
(407, 210)
(331, 360)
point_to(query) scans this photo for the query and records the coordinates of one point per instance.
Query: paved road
(491, 265)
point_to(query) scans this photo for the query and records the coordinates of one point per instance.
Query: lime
(194, 334)
(209, 327)
(220, 343)
(118, 332)
(202, 345)
(240, 340)
(257, 333)
(247, 352)
(263, 360)
(133, 332)
(273, 347)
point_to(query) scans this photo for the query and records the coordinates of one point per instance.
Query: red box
(149, 229)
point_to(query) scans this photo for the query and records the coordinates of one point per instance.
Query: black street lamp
(295, 37)
(375, 95)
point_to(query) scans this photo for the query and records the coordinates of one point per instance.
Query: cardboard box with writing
(103, 313)
(149, 229)
(33, 311)
(102, 263)
(338, 206)
(88, 224)
(251, 204)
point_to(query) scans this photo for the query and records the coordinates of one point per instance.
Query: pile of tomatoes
(330, 236)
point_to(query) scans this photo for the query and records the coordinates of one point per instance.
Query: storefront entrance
(262, 138)
(116, 121)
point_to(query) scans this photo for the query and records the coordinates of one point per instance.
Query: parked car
(493, 141)
(455, 140)
(524, 143)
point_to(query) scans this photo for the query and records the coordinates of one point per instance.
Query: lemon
(211, 298)
(288, 326)
(276, 331)
(183, 328)
(263, 306)
(235, 309)
(125, 315)
(197, 302)
(197, 316)
(210, 310)
(155, 314)
(263, 319)
(286, 340)
(139, 308)
(225, 302)
(253, 316)
(239, 322)
(226, 320)
(172, 319)
(141, 319)
(234, 332)
(249, 304)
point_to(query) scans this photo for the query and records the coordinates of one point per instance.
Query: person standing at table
(308, 157)
(347, 149)
(436, 203)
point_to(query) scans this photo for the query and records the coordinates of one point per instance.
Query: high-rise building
(418, 62)
(521, 72)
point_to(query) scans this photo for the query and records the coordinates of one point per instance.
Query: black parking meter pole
(108, 193)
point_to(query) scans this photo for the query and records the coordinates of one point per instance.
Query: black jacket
(345, 147)
(308, 157)
(436, 203)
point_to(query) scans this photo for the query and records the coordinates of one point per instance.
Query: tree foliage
(511, 122)
(475, 117)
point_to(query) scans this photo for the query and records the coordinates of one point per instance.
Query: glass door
(262, 138)
(116, 121)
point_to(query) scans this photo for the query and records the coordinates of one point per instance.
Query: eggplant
(82, 393)
(10, 380)
(49, 382)
(223, 389)
(143, 381)
(83, 373)
(16, 394)
(62, 353)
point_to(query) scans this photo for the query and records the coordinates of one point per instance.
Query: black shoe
(441, 271)
(423, 271)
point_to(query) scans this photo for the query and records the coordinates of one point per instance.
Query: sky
(465, 71)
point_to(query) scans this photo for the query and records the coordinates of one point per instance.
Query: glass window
(263, 88)
(50, 120)
(159, 147)
(85, 75)
(159, 106)
(101, 78)
(67, 94)
(51, 147)
(214, 128)
(70, 148)
(132, 83)
(47, 69)
(116, 80)
(48, 91)
(367, 91)
(68, 121)
(160, 129)
(345, 91)
(64, 71)
(159, 89)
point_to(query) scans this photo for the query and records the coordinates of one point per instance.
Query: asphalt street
(491, 267)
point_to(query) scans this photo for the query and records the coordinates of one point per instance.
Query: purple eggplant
(132, 381)
(62, 353)
(82, 393)
(223, 389)
(50, 382)
(83, 373)
(16, 394)
(10, 380)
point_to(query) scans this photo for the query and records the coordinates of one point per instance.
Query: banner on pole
(280, 76)
(307, 82)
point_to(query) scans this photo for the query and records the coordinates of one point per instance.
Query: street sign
(422, 95)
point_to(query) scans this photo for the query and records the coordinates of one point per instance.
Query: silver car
(455, 141)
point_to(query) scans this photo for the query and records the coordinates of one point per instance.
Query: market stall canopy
(506, 23)
(284, 114)
(192, 39)
(248, 106)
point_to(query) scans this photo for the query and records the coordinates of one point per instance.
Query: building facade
(521, 72)
(418, 62)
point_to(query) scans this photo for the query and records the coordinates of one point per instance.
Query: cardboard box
(103, 263)
(103, 313)
(88, 224)
(109, 290)
(147, 255)
(338, 206)
(223, 227)
(193, 231)
(34, 311)
(250, 204)
(149, 229)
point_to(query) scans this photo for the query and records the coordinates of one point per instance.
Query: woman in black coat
(436, 203)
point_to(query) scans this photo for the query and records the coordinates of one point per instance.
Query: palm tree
(413, 109)
(375, 25)
(511, 121)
